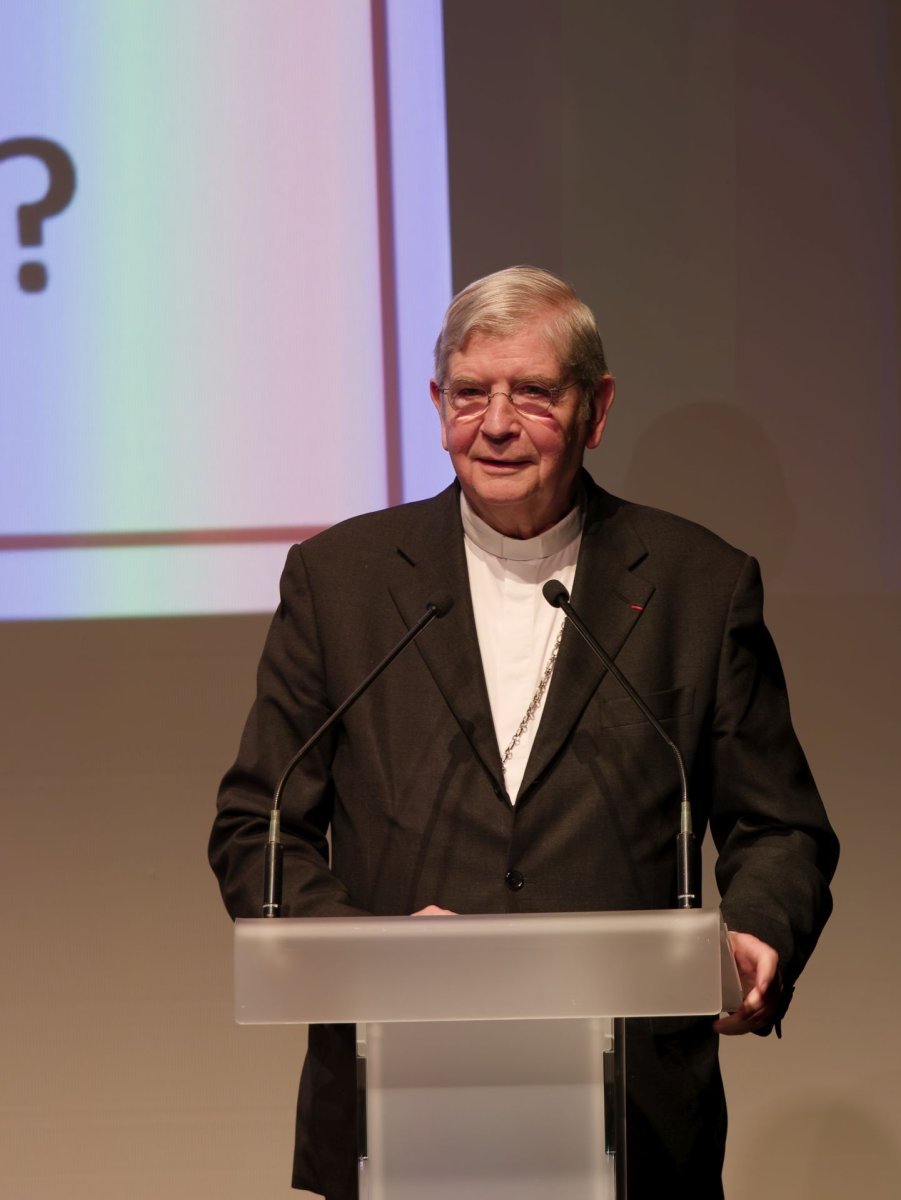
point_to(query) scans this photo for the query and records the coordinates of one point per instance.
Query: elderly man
(496, 767)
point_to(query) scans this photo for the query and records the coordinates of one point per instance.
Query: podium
(490, 1048)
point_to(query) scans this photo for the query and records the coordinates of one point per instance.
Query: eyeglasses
(531, 398)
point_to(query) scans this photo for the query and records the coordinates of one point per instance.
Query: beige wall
(720, 180)
(723, 188)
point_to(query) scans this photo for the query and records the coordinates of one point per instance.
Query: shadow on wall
(813, 1151)
(714, 464)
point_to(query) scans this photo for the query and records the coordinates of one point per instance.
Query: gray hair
(499, 304)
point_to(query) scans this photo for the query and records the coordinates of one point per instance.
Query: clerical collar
(552, 541)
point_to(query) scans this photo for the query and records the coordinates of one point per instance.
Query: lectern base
(497, 1110)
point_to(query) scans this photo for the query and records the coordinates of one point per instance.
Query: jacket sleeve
(292, 701)
(777, 851)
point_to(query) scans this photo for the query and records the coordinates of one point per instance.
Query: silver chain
(534, 702)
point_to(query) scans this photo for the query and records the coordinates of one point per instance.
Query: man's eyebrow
(525, 377)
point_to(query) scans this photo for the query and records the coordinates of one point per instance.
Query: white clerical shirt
(516, 626)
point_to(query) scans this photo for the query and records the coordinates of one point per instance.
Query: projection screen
(223, 261)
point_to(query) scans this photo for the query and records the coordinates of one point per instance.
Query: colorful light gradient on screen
(232, 346)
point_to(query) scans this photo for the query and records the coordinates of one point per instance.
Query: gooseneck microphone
(439, 606)
(688, 893)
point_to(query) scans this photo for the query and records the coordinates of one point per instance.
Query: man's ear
(438, 401)
(601, 403)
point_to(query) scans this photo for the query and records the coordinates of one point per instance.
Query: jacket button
(514, 880)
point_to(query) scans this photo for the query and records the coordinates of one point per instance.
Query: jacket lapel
(609, 597)
(430, 559)
(608, 594)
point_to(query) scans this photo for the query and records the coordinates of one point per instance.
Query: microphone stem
(272, 868)
(687, 863)
(414, 631)
(274, 853)
(637, 700)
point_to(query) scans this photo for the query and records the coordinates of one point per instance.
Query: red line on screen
(385, 193)
(165, 537)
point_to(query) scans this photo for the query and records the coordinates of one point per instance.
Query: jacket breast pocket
(677, 702)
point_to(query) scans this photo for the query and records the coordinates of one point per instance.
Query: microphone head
(441, 603)
(555, 593)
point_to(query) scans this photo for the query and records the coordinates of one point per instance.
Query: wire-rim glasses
(530, 397)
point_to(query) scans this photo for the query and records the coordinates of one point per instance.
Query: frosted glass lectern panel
(477, 968)
(510, 1110)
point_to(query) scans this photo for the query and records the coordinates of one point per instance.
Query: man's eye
(469, 392)
(533, 391)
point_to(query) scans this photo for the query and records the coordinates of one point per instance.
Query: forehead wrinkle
(490, 348)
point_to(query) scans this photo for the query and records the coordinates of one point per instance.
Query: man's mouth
(509, 464)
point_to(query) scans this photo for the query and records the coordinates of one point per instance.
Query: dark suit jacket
(411, 782)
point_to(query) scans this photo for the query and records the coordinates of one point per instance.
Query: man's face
(517, 472)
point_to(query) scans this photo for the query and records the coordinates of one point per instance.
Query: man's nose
(501, 418)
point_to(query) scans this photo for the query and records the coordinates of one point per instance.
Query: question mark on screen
(61, 170)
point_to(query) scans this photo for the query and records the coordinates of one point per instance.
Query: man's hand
(758, 970)
(432, 910)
